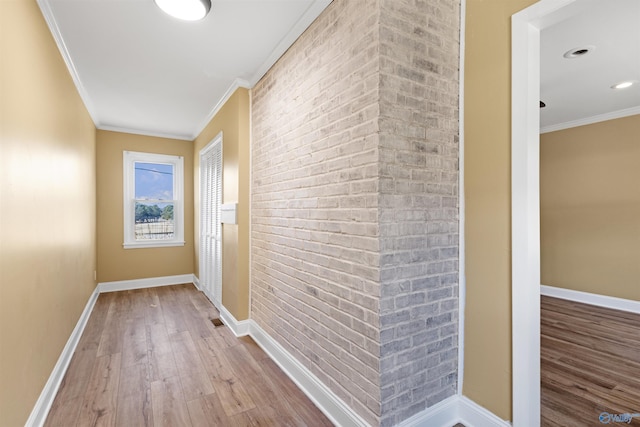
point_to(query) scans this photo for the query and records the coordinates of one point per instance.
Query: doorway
(526, 52)
(525, 166)
(210, 224)
(525, 206)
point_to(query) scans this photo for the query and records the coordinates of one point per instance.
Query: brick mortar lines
(302, 349)
(405, 352)
(309, 136)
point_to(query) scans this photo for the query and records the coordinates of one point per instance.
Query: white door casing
(525, 202)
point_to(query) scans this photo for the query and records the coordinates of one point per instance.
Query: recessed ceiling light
(624, 85)
(579, 52)
(188, 10)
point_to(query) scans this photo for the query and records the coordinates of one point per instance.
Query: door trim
(525, 204)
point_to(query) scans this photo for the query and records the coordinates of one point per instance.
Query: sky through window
(153, 181)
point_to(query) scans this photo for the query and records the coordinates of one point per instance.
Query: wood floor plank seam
(590, 363)
(152, 357)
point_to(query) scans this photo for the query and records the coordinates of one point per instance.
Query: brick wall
(418, 217)
(315, 249)
(354, 203)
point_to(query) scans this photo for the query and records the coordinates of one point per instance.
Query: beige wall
(487, 109)
(114, 262)
(47, 203)
(590, 208)
(233, 121)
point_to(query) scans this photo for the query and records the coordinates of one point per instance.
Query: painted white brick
(354, 203)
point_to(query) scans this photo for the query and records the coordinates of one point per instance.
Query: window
(153, 200)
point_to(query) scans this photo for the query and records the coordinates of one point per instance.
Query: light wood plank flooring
(590, 364)
(152, 357)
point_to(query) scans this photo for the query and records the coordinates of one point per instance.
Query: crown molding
(593, 119)
(237, 83)
(133, 131)
(47, 13)
(287, 41)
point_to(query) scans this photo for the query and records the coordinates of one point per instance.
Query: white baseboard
(152, 282)
(456, 409)
(473, 415)
(41, 409)
(444, 414)
(239, 328)
(327, 401)
(593, 299)
(453, 410)
(43, 405)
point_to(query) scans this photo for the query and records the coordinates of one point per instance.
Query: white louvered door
(210, 226)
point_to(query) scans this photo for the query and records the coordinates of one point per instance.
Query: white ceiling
(140, 71)
(578, 91)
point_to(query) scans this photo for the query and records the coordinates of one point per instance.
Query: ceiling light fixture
(624, 85)
(578, 52)
(188, 10)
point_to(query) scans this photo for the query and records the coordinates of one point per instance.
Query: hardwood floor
(152, 357)
(590, 365)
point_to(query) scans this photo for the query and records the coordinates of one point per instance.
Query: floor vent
(217, 322)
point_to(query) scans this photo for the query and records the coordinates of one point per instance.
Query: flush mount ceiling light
(624, 85)
(188, 10)
(578, 52)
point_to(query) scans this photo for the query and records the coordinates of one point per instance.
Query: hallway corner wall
(233, 121)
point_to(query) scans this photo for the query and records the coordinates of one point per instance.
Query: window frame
(130, 158)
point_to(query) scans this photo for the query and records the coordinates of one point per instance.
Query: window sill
(151, 244)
